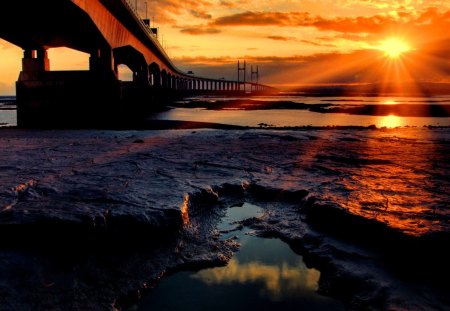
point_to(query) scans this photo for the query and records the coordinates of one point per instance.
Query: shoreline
(161, 125)
(399, 109)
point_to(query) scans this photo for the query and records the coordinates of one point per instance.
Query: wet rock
(119, 206)
(273, 194)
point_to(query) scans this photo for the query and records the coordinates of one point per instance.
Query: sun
(394, 47)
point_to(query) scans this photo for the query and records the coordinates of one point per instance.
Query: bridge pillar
(66, 98)
(34, 62)
(155, 74)
(141, 77)
(101, 63)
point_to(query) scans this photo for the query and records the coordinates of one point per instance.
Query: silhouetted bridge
(112, 34)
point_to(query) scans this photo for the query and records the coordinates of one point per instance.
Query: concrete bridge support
(57, 98)
(111, 33)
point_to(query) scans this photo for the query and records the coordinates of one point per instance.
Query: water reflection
(391, 121)
(396, 177)
(238, 213)
(289, 117)
(390, 102)
(277, 281)
(265, 274)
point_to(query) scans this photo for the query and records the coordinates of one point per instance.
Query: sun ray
(394, 47)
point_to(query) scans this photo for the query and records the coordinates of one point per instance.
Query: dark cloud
(265, 19)
(201, 14)
(199, 31)
(227, 4)
(280, 38)
(318, 44)
(429, 20)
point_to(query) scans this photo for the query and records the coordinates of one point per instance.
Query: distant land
(376, 89)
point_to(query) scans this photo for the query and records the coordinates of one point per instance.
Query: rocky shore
(91, 219)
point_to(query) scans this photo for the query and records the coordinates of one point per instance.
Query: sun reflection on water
(391, 121)
(394, 177)
(279, 280)
(390, 102)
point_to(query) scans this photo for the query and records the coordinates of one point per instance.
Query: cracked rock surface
(88, 219)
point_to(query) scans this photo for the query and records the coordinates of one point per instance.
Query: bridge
(112, 34)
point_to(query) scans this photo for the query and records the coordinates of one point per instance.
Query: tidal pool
(265, 274)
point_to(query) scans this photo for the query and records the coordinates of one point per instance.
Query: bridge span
(112, 34)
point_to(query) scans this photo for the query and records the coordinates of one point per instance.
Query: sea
(311, 111)
(8, 111)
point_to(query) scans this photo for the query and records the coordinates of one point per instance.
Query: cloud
(201, 14)
(363, 66)
(281, 38)
(169, 11)
(199, 30)
(430, 18)
(216, 61)
(227, 4)
(204, 60)
(265, 19)
(392, 4)
(317, 44)
(345, 36)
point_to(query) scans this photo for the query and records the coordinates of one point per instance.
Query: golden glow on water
(390, 102)
(286, 117)
(279, 280)
(391, 121)
(393, 184)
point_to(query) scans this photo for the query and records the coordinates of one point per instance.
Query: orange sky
(292, 41)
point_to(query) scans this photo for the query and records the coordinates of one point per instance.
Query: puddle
(237, 213)
(264, 274)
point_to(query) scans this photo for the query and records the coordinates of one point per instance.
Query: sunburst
(394, 47)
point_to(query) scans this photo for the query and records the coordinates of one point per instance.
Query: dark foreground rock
(89, 219)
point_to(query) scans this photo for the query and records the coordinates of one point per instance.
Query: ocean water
(8, 114)
(261, 115)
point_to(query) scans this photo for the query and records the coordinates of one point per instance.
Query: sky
(293, 42)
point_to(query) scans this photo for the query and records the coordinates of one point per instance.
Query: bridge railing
(152, 36)
(133, 10)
